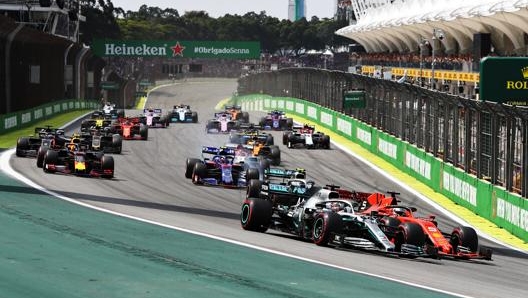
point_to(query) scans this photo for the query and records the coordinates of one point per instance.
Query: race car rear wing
(284, 189)
(284, 173)
(218, 150)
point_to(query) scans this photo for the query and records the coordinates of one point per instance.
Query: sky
(218, 8)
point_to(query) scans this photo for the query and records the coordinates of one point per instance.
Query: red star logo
(177, 50)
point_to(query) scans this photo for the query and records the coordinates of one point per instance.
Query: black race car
(71, 160)
(44, 136)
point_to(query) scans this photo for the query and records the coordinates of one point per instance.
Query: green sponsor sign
(177, 48)
(109, 85)
(504, 80)
(354, 99)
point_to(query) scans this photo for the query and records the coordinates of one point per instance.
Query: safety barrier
(23, 118)
(507, 210)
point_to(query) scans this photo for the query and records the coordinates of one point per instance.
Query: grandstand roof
(401, 25)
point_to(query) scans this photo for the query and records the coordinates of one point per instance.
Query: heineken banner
(177, 48)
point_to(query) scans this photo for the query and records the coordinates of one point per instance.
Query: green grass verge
(8, 140)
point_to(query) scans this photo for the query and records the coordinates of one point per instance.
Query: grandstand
(401, 25)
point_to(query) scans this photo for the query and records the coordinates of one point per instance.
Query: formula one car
(324, 215)
(220, 170)
(99, 122)
(109, 111)
(237, 114)
(222, 123)
(276, 120)
(44, 136)
(182, 113)
(130, 129)
(154, 118)
(305, 136)
(81, 163)
(259, 148)
(102, 139)
(248, 133)
(462, 243)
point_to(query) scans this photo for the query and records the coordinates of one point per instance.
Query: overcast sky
(217, 8)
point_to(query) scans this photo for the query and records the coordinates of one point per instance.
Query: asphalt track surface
(149, 183)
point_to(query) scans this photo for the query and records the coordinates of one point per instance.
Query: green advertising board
(354, 99)
(177, 48)
(108, 85)
(504, 80)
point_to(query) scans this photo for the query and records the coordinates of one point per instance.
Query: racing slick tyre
(194, 117)
(389, 225)
(286, 137)
(189, 167)
(245, 117)
(117, 143)
(256, 214)
(51, 157)
(40, 156)
(275, 155)
(253, 188)
(409, 233)
(22, 146)
(231, 126)
(325, 142)
(264, 164)
(262, 122)
(107, 164)
(289, 123)
(199, 172)
(325, 226)
(269, 140)
(143, 131)
(252, 173)
(464, 236)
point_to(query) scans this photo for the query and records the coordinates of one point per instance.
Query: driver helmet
(400, 211)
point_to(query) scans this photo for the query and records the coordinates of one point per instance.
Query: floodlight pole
(433, 41)
(421, 45)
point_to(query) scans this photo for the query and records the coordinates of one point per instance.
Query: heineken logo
(142, 50)
(174, 49)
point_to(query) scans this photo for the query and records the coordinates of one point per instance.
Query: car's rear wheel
(143, 131)
(253, 188)
(275, 155)
(22, 146)
(326, 142)
(256, 214)
(117, 143)
(326, 226)
(252, 173)
(194, 117)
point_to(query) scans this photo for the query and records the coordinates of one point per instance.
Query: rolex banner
(504, 80)
(177, 48)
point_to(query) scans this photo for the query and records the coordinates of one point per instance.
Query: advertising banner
(177, 48)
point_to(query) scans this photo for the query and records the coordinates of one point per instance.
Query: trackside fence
(17, 120)
(506, 209)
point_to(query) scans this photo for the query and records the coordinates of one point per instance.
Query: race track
(149, 183)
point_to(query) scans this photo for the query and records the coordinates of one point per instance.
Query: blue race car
(220, 170)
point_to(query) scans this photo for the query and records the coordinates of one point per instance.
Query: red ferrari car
(462, 243)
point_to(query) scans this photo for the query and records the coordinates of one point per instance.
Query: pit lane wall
(507, 210)
(17, 120)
